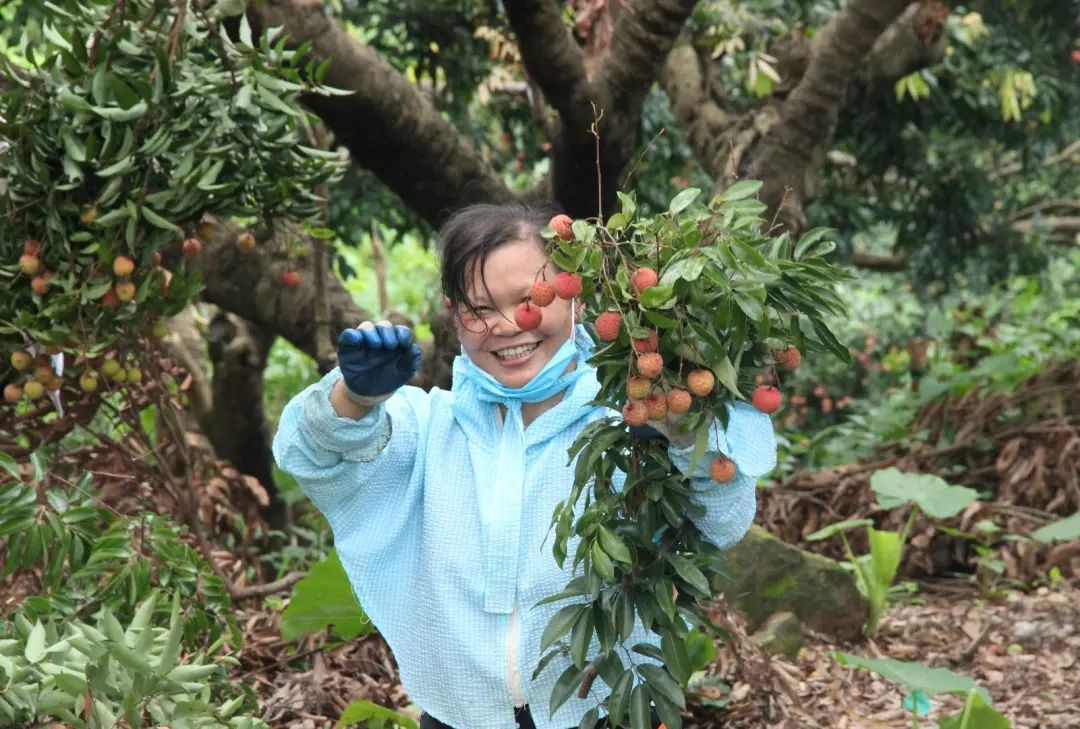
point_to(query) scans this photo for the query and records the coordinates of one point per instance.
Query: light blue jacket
(405, 489)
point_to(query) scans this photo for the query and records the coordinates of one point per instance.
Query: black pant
(521, 716)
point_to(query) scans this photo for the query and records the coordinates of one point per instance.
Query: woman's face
(490, 337)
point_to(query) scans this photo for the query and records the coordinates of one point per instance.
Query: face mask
(552, 379)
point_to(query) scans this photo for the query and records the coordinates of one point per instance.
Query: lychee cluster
(566, 286)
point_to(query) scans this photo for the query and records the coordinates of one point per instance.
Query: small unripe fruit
(29, 264)
(134, 374)
(607, 326)
(245, 242)
(643, 278)
(567, 285)
(527, 316)
(21, 360)
(542, 294)
(678, 401)
(650, 365)
(290, 279)
(562, 225)
(634, 412)
(722, 470)
(638, 388)
(34, 389)
(110, 300)
(43, 373)
(789, 358)
(88, 214)
(12, 392)
(31, 247)
(125, 291)
(192, 247)
(766, 399)
(700, 382)
(650, 344)
(120, 375)
(656, 404)
(110, 367)
(88, 382)
(123, 266)
(40, 285)
(159, 330)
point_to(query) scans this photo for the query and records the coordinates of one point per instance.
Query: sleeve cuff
(354, 440)
(749, 441)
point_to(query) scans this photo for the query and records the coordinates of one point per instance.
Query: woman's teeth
(515, 352)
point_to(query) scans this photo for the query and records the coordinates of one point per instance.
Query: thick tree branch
(552, 58)
(643, 36)
(808, 115)
(389, 127)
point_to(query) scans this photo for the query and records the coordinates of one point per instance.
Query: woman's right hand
(377, 359)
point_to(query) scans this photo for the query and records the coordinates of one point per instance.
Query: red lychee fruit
(657, 406)
(634, 412)
(1075, 55)
(123, 266)
(766, 399)
(31, 247)
(527, 316)
(607, 326)
(650, 365)
(542, 294)
(827, 405)
(561, 224)
(678, 401)
(649, 344)
(638, 388)
(700, 382)
(245, 242)
(110, 300)
(643, 278)
(40, 285)
(567, 285)
(290, 279)
(29, 264)
(789, 358)
(43, 373)
(20, 360)
(12, 392)
(192, 247)
(722, 470)
(125, 291)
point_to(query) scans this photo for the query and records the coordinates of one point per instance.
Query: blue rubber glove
(377, 359)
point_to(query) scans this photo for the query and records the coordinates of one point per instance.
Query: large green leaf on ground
(324, 599)
(931, 493)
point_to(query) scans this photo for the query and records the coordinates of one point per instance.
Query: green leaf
(8, 463)
(157, 221)
(683, 200)
(657, 297)
(614, 546)
(580, 637)
(362, 712)
(700, 649)
(1063, 530)
(601, 563)
(930, 492)
(840, 526)
(34, 651)
(660, 682)
(740, 190)
(113, 113)
(912, 676)
(619, 700)
(324, 599)
(728, 377)
(560, 624)
(689, 572)
(565, 687)
(639, 708)
(885, 552)
(976, 714)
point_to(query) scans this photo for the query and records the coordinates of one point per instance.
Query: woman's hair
(472, 233)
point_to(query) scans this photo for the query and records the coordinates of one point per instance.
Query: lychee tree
(688, 307)
(120, 130)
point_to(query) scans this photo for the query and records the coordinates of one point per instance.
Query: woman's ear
(446, 303)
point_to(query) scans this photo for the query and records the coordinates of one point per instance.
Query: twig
(378, 263)
(594, 129)
(241, 592)
(633, 169)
